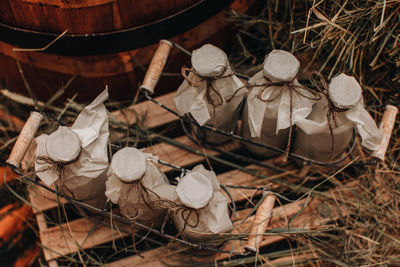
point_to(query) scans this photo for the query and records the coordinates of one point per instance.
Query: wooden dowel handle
(156, 66)
(260, 223)
(24, 139)
(387, 124)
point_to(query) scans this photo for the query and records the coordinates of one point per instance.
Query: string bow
(279, 87)
(209, 84)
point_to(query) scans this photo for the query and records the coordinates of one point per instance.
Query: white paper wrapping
(191, 99)
(314, 140)
(127, 198)
(260, 112)
(85, 177)
(213, 218)
(366, 126)
(268, 122)
(152, 178)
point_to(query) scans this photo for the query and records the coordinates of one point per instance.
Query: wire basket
(150, 81)
(100, 216)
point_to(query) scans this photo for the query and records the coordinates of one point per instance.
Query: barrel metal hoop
(117, 41)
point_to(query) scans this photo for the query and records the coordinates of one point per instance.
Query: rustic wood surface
(81, 17)
(310, 218)
(122, 72)
(79, 234)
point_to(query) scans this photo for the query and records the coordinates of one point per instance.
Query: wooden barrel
(118, 58)
(86, 16)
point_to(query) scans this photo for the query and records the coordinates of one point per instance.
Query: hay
(356, 37)
(360, 38)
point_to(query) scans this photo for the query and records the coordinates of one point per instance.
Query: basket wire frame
(231, 134)
(190, 121)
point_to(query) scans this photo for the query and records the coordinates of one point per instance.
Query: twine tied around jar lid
(63, 148)
(209, 64)
(153, 201)
(131, 175)
(333, 94)
(280, 70)
(129, 165)
(209, 85)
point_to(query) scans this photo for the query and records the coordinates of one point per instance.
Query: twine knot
(58, 167)
(144, 197)
(280, 86)
(153, 201)
(323, 88)
(185, 212)
(209, 85)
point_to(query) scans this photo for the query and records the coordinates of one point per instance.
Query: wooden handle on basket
(260, 223)
(387, 124)
(24, 139)
(156, 66)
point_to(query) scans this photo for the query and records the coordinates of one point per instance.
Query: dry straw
(360, 38)
(357, 37)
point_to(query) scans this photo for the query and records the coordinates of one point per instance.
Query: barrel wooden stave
(122, 72)
(81, 17)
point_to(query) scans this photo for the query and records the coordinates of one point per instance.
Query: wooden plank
(43, 200)
(67, 246)
(70, 237)
(238, 177)
(162, 256)
(311, 217)
(42, 225)
(36, 199)
(150, 258)
(293, 259)
(181, 157)
(147, 260)
(315, 214)
(148, 113)
(78, 234)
